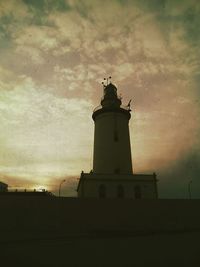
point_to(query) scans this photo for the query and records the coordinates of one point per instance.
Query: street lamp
(189, 189)
(60, 186)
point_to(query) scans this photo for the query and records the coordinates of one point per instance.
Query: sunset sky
(53, 57)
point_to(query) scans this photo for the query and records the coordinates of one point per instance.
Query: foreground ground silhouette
(177, 249)
(50, 231)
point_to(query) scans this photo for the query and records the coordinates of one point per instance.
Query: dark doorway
(102, 191)
(120, 191)
(137, 191)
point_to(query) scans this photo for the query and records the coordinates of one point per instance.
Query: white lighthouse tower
(112, 175)
(112, 150)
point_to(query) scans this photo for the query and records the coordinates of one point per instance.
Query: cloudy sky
(53, 56)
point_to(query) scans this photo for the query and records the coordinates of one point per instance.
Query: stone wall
(73, 215)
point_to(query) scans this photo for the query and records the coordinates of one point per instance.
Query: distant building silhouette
(112, 175)
(22, 192)
(26, 193)
(3, 187)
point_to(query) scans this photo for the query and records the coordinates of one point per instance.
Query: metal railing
(122, 106)
(26, 190)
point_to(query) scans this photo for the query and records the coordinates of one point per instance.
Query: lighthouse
(112, 150)
(112, 175)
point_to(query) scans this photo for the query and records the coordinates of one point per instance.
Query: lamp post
(189, 189)
(60, 186)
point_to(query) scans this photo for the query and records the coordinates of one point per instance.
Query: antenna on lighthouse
(107, 80)
(129, 104)
(103, 85)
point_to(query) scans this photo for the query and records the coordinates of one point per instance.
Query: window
(102, 191)
(137, 191)
(116, 138)
(120, 191)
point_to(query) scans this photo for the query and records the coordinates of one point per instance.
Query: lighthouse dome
(110, 91)
(110, 98)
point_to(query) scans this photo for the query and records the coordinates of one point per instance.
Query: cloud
(15, 8)
(53, 57)
(183, 170)
(37, 137)
(42, 37)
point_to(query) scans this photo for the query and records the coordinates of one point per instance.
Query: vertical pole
(155, 185)
(189, 189)
(60, 187)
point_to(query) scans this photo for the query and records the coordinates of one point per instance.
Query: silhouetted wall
(73, 215)
(90, 183)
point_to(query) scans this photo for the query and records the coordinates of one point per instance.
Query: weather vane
(106, 81)
(129, 105)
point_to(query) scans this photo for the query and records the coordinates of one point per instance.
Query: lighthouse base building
(112, 175)
(133, 186)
